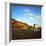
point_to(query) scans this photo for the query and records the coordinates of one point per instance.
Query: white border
(8, 18)
(7, 23)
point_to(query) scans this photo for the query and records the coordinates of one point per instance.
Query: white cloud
(33, 18)
(30, 15)
(37, 17)
(26, 10)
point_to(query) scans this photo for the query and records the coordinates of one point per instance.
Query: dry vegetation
(23, 31)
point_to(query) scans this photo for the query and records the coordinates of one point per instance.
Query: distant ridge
(19, 25)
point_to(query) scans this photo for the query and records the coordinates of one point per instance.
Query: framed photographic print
(24, 21)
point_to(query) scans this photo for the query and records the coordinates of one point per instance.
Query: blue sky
(27, 14)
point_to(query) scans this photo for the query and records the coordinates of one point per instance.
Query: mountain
(21, 30)
(19, 25)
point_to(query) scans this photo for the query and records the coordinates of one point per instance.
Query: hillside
(19, 25)
(22, 30)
